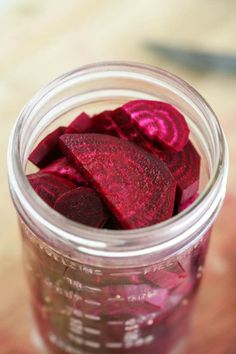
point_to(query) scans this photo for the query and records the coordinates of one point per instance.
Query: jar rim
(118, 243)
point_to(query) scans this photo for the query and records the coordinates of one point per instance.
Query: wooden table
(40, 40)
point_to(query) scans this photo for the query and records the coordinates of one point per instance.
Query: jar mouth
(176, 231)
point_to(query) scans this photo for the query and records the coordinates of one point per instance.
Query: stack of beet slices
(123, 169)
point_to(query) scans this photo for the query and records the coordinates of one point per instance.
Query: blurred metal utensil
(198, 59)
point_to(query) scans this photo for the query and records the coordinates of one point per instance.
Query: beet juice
(117, 184)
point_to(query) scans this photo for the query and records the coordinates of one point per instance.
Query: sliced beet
(123, 120)
(185, 167)
(80, 124)
(137, 187)
(103, 123)
(188, 202)
(49, 186)
(63, 168)
(160, 122)
(82, 205)
(47, 150)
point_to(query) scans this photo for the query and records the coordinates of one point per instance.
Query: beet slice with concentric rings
(50, 186)
(160, 122)
(124, 122)
(47, 150)
(80, 124)
(137, 187)
(185, 167)
(63, 168)
(82, 205)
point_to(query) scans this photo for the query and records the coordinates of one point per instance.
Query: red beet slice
(160, 122)
(123, 120)
(49, 186)
(137, 187)
(47, 150)
(63, 168)
(82, 205)
(188, 202)
(80, 124)
(103, 124)
(185, 167)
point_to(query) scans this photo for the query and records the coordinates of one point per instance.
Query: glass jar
(105, 291)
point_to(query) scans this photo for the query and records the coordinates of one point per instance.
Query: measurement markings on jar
(92, 288)
(92, 344)
(90, 271)
(76, 325)
(133, 339)
(132, 328)
(75, 312)
(117, 297)
(92, 317)
(80, 314)
(76, 331)
(131, 298)
(116, 323)
(125, 274)
(94, 331)
(114, 345)
(92, 302)
(80, 341)
(60, 343)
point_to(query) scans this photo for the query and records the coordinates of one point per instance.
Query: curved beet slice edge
(82, 205)
(123, 120)
(160, 122)
(137, 187)
(63, 168)
(188, 202)
(47, 150)
(103, 123)
(49, 186)
(80, 124)
(185, 167)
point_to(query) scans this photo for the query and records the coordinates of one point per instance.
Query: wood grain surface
(42, 39)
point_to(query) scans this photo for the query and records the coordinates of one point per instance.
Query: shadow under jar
(110, 291)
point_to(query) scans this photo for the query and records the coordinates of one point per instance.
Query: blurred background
(194, 39)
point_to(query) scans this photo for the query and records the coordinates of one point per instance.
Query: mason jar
(100, 291)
